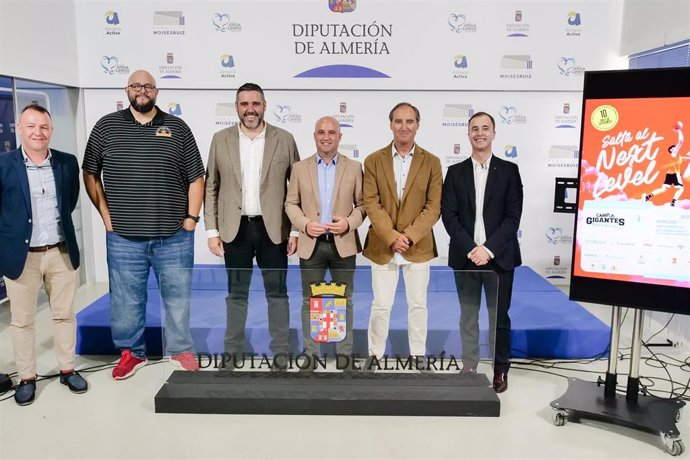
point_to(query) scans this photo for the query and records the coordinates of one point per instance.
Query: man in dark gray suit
(248, 169)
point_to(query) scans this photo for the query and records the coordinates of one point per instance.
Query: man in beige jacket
(402, 197)
(324, 202)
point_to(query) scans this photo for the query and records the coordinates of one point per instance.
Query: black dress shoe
(75, 382)
(25, 393)
(500, 382)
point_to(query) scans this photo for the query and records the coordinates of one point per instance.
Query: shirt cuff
(212, 233)
(294, 233)
(491, 254)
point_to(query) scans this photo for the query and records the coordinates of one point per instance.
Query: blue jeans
(129, 260)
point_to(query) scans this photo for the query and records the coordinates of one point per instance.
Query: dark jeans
(498, 288)
(253, 241)
(313, 270)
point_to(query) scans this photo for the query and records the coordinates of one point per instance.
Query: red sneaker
(128, 365)
(185, 361)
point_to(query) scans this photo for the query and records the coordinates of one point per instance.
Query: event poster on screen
(634, 203)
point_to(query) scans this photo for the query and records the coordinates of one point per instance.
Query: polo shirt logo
(164, 131)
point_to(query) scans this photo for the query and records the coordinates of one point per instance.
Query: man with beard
(144, 174)
(246, 182)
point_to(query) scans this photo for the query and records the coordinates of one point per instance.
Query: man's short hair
(479, 114)
(404, 104)
(250, 87)
(37, 107)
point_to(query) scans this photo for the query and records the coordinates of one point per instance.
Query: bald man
(144, 174)
(325, 203)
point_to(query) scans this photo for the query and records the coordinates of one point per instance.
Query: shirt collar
(261, 135)
(477, 164)
(28, 160)
(396, 153)
(320, 160)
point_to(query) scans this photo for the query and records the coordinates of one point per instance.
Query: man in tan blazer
(324, 202)
(248, 168)
(402, 197)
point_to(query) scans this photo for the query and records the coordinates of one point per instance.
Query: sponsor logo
(456, 114)
(349, 150)
(509, 115)
(170, 70)
(566, 119)
(175, 109)
(563, 156)
(516, 66)
(342, 6)
(567, 67)
(227, 66)
(284, 114)
(112, 23)
(458, 24)
(510, 151)
(226, 114)
(344, 119)
(556, 271)
(168, 23)
(327, 312)
(110, 65)
(517, 28)
(605, 219)
(555, 236)
(574, 22)
(460, 67)
(119, 105)
(456, 156)
(222, 23)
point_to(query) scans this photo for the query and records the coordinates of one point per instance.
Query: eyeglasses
(136, 87)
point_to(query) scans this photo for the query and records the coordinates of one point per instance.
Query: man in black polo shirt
(144, 174)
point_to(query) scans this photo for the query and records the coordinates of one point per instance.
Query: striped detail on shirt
(146, 171)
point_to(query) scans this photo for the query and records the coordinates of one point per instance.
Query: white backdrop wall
(521, 61)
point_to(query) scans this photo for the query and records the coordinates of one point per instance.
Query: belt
(46, 247)
(326, 237)
(252, 218)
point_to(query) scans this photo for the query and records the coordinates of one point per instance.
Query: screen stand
(583, 399)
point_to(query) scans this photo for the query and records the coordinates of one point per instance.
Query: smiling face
(404, 125)
(35, 129)
(250, 107)
(481, 133)
(327, 136)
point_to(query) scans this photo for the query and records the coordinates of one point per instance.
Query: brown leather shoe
(500, 382)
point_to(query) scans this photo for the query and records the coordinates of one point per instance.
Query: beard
(142, 108)
(257, 122)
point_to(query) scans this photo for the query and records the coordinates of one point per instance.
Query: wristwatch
(194, 218)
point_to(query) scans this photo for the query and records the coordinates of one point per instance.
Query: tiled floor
(117, 420)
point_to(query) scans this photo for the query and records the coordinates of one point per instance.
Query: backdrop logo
(119, 105)
(227, 66)
(221, 23)
(516, 66)
(555, 236)
(563, 156)
(344, 119)
(342, 6)
(456, 156)
(112, 18)
(510, 151)
(517, 28)
(574, 19)
(458, 24)
(509, 115)
(170, 70)
(175, 109)
(566, 119)
(111, 66)
(460, 67)
(568, 68)
(226, 114)
(456, 114)
(283, 114)
(112, 21)
(168, 23)
(341, 42)
(350, 150)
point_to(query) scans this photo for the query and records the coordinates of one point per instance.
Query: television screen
(632, 226)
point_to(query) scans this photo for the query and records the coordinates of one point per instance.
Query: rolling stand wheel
(679, 414)
(673, 446)
(559, 417)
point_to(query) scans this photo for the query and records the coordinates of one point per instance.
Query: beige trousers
(55, 270)
(384, 281)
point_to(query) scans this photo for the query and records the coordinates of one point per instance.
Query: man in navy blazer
(39, 188)
(481, 208)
